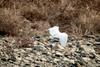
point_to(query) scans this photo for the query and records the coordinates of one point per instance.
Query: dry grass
(23, 42)
(28, 17)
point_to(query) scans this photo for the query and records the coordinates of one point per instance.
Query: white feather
(63, 37)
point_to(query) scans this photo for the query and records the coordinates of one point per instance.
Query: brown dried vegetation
(28, 17)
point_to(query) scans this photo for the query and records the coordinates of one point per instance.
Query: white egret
(55, 33)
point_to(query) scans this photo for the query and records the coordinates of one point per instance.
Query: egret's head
(54, 31)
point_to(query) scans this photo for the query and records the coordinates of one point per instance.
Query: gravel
(78, 53)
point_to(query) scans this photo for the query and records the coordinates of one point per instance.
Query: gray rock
(69, 60)
(97, 61)
(56, 60)
(28, 49)
(96, 43)
(88, 43)
(86, 59)
(88, 49)
(97, 39)
(43, 59)
(39, 48)
(92, 56)
(58, 54)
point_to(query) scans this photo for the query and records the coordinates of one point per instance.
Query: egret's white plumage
(63, 37)
(55, 33)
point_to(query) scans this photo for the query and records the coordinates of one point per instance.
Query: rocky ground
(82, 52)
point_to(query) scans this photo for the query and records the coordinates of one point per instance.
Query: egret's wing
(63, 37)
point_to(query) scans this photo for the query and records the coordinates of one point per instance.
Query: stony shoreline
(78, 53)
